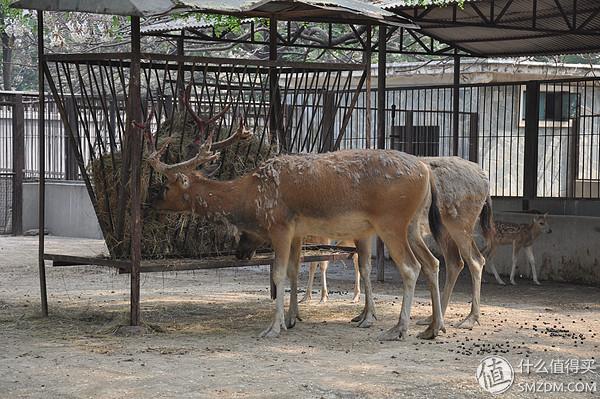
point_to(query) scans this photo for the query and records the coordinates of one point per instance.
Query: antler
(202, 123)
(205, 154)
(241, 134)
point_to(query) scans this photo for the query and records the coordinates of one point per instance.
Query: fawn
(519, 236)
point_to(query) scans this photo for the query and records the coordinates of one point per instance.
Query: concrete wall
(570, 253)
(69, 211)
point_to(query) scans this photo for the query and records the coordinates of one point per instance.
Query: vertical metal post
(18, 128)
(71, 167)
(180, 71)
(409, 134)
(474, 137)
(455, 104)
(367, 62)
(381, 72)
(273, 86)
(42, 162)
(532, 120)
(328, 121)
(135, 114)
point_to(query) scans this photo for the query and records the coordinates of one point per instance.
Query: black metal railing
(553, 153)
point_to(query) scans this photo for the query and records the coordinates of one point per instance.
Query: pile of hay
(170, 235)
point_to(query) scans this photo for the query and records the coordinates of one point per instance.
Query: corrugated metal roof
(510, 28)
(190, 22)
(351, 11)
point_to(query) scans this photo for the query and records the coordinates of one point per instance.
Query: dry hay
(172, 235)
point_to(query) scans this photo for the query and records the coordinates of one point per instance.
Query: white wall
(69, 211)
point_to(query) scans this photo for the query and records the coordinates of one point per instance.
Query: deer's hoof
(431, 332)
(367, 322)
(393, 334)
(468, 323)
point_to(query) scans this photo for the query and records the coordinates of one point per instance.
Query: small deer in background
(323, 265)
(520, 236)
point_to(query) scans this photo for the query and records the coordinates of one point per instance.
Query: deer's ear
(211, 169)
(545, 215)
(183, 180)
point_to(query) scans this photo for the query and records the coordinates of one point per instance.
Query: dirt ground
(203, 326)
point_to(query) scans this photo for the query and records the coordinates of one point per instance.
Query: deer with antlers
(349, 194)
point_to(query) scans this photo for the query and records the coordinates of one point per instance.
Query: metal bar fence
(492, 124)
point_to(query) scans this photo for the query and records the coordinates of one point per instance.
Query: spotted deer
(350, 194)
(324, 265)
(520, 236)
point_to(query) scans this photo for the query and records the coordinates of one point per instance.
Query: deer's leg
(454, 265)
(281, 242)
(531, 261)
(490, 265)
(475, 261)
(513, 269)
(367, 317)
(292, 273)
(324, 290)
(409, 268)
(357, 274)
(312, 269)
(430, 267)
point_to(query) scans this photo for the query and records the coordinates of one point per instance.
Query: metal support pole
(42, 163)
(273, 86)
(381, 72)
(455, 104)
(367, 62)
(18, 126)
(71, 166)
(532, 120)
(180, 72)
(135, 114)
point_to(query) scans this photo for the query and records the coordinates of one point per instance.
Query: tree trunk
(7, 53)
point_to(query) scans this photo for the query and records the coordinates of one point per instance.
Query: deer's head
(247, 246)
(183, 185)
(541, 223)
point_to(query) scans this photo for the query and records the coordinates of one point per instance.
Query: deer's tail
(435, 218)
(486, 221)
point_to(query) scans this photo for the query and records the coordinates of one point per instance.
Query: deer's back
(353, 184)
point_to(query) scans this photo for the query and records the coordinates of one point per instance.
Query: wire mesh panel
(6, 206)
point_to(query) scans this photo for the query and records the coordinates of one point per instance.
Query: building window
(556, 108)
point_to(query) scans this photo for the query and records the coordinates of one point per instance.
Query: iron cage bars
(133, 142)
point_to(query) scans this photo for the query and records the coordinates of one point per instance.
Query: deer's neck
(534, 231)
(233, 200)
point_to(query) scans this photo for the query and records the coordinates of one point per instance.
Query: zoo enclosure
(493, 22)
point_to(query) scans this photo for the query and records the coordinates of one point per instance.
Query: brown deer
(344, 194)
(463, 198)
(520, 236)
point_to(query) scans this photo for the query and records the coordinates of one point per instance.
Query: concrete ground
(203, 326)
